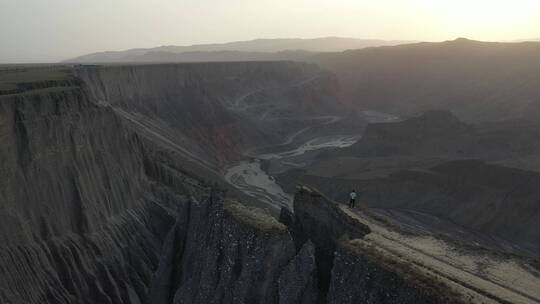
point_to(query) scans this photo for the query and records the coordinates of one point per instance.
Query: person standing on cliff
(352, 199)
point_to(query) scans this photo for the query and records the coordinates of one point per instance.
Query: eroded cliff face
(215, 110)
(81, 220)
(230, 253)
(60, 160)
(233, 255)
(95, 211)
(350, 270)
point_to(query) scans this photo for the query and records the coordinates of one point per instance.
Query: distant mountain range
(478, 81)
(525, 40)
(259, 49)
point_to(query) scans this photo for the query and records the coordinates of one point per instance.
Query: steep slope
(81, 220)
(476, 80)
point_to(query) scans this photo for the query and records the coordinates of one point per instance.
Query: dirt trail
(484, 278)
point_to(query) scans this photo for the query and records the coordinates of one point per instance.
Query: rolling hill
(478, 81)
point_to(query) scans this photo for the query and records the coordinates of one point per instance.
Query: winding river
(248, 176)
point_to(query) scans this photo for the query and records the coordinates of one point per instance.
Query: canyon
(224, 182)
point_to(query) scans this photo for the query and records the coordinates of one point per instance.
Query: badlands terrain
(227, 182)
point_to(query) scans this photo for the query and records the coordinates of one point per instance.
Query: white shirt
(353, 195)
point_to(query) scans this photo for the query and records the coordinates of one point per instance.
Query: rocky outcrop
(232, 255)
(318, 220)
(321, 220)
(298, 281)
(350, 271)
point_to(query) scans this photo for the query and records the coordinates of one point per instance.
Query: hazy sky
(51, 30)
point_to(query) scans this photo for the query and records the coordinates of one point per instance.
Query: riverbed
(248, 176)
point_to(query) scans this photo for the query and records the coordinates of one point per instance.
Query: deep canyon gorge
(224, 182)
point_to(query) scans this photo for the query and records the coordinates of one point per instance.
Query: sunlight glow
(66, 28)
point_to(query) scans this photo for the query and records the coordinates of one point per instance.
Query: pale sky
(52, 30)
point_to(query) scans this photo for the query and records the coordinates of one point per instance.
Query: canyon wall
(81, 221)
(216, 110)
(93, 210)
